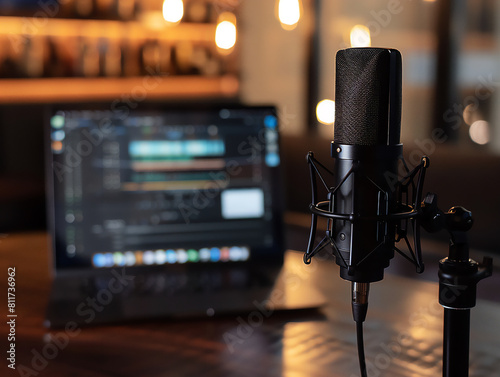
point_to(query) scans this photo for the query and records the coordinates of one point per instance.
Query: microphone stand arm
(458, 278)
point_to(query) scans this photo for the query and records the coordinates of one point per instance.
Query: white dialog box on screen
(242, 203)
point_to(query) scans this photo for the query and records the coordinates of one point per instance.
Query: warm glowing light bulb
(225, 33)
(479, 132)
(360, 36)
(173, 10)
(289, 13)
(325, 111)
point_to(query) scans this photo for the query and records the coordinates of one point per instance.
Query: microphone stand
(458, 278)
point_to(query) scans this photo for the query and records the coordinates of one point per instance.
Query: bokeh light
(360, 36)
(289, 13)
(325, 111)
(225, 33)
(479, 132)
(173, 10)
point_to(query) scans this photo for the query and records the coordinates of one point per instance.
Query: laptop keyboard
(182, 283)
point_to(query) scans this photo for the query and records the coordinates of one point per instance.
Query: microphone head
(368, 96)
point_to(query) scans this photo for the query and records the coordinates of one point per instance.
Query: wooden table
(403, 332)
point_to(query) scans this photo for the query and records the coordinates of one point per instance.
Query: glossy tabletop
(403, 331)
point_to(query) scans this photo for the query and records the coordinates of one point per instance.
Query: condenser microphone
(369, 208)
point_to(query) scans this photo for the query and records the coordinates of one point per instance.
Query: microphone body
(366, 150)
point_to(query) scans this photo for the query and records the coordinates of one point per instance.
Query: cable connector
(360, 301)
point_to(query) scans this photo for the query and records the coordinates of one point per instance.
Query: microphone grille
(364, 102)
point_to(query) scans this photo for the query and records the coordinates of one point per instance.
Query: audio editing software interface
(162, 187)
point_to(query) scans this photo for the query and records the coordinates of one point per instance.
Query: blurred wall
(273, 63)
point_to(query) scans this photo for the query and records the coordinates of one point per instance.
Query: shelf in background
(18, 27)
(132, 88)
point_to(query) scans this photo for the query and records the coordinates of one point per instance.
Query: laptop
(161, 211)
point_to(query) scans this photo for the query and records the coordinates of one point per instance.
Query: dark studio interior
(133, 129)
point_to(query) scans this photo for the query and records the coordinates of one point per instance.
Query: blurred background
(257, 52)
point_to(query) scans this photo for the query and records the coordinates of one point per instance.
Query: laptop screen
(159, 185)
